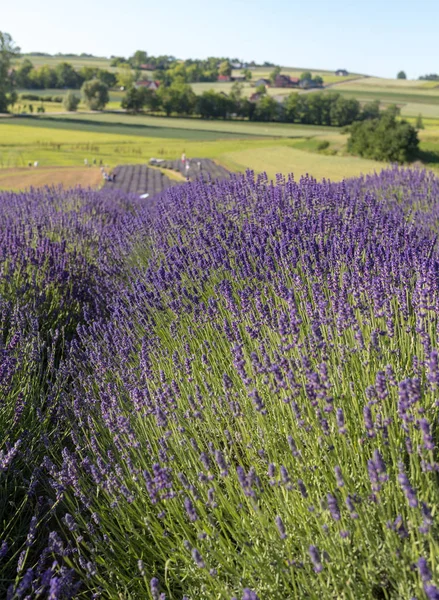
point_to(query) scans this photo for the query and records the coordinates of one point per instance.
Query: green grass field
(121, 139)
(59, 139)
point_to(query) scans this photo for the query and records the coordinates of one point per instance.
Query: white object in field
(143, 196)
(36, 163)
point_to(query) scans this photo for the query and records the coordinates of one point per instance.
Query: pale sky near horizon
(377, 37)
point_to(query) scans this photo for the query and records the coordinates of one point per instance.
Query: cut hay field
(16, 179)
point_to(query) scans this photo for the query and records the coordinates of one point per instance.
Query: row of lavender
(246, 404)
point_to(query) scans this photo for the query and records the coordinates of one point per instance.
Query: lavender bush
(249, 403)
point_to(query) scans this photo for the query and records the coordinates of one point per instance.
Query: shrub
(71, 101)
(385, 138)
(95, 94)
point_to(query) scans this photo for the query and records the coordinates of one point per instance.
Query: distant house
(147, 67)
(236, 65)
(238, 78)
(341, 73)
(224, 78)
(262, 81)
(255, 97)
(149, 85)
(285, 81)
(306, 84)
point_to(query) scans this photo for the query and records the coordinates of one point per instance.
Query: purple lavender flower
(198, 559)
(190, 510)
(315, 559)
(333, 507)
(407, 488)
(155, 588)
(281, 527)
(249, 595)
(424, 571)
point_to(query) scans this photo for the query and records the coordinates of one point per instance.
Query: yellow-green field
(120, 139)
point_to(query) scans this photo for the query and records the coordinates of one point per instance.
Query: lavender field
(231, 392)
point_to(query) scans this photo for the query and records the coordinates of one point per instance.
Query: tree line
(331, 109)
(62, 76)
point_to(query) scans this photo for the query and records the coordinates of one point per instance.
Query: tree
(247, 74)
(236, 91)
(225, 68)
(22, 74)
(306, 75)
(67, 77)
(106, 77)
(178, 98)
(371, 110)
(140, 57)
(95, 94)
(267, 109)
(8, 50)
(125, 76)
(385, 138)
(71, 101)
(44, 77)
(419, 122)
(401, 75)
(318, 81)
(135, 99)
(276, 71)
(261, 89)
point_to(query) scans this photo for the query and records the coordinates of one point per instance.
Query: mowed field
(27, 177)
(121, 139)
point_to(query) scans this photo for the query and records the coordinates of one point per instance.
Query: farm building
(255, 97)
(224, 78)
(341, 73)
(283, 81)
(262, 81)
(150, 85)
(147, 67)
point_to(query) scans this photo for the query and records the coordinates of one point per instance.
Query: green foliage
(371, 110)
(225, 68)
(8, 50)
(177, 98)
(71, 101)
(95, 94)
(385, 138)
(321, 109)
(125, 76)
(306, 75)
(211, 105)
(401, 75)
(276, 71)
(236, 91)
(261, 89)
(267, 109)
(247, 74)
(419, 122)
(323, 145)
(140, 57)
(67, 77)
(136, 99)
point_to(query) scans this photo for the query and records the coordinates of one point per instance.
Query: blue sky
(377, 37)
